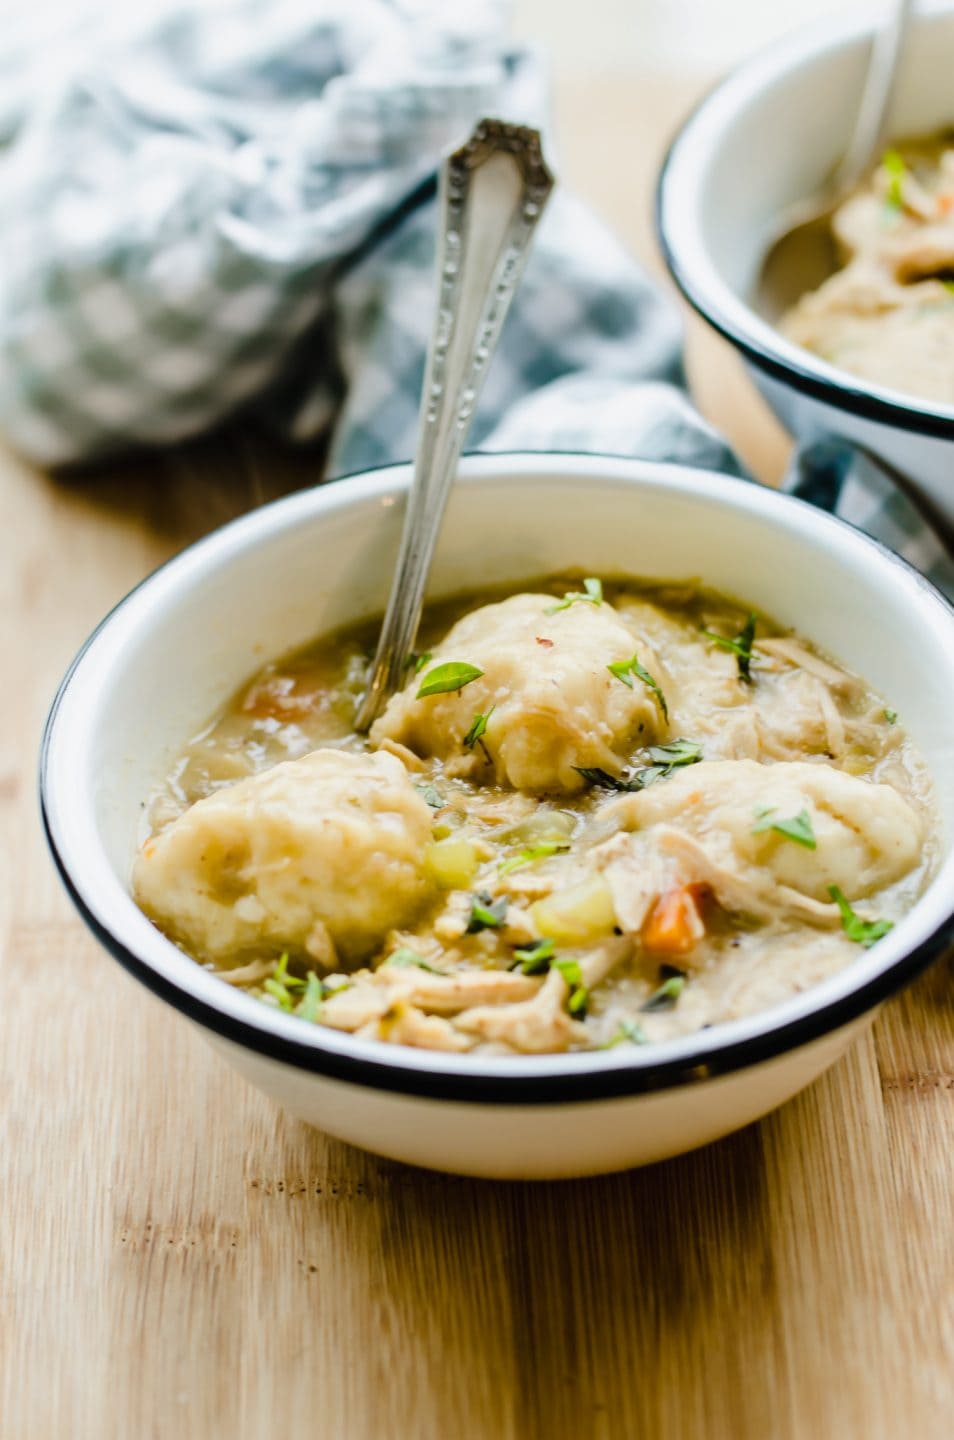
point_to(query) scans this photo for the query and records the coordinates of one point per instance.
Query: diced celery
(452, 863)
(578, 915)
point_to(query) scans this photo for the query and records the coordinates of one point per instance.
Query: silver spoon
(491, 195)
(802, 253)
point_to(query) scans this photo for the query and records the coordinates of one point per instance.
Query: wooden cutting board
(179, 1259)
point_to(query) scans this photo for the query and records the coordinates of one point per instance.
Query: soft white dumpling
(322, 854)
(552, 703)
(714, 821)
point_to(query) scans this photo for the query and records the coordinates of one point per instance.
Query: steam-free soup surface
(597, 814)
(888, 313)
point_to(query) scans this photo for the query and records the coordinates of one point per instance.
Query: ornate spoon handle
(492, 193)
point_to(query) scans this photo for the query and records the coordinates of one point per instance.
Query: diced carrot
(278, 698)
(674, 925)
(945, 203)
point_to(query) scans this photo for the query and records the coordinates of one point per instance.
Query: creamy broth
(618, 812)
(888, 313)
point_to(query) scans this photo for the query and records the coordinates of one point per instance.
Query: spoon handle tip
(492, 192)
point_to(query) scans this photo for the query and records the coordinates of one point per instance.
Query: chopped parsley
(676, 752)
(478, 728)
(404, 956)
(579, 995)
(896, 170)
(485, 913)
(667, 995)
(626, 1030)
(798, 828)
(312, 998)
(862, 932)
(417, 662)
(542, 851)
(739, 645)
(534, 959)
(539, 956)
(664, 758)
(591, 594)
(432, 795)
(625, 670)
(452, 675)
(594, 776)
(279, 992)
(280, 984)
(891, 716)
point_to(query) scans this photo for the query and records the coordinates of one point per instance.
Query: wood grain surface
(179, 1259)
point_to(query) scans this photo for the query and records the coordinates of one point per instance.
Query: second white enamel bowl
(763, 139)
(179, 645)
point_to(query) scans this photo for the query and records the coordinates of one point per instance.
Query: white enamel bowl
(179, 645)
(765, 137)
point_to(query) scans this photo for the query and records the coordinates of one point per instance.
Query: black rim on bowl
(694, 1064)
(843, 392)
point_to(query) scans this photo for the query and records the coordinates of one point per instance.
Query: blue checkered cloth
(227, 208)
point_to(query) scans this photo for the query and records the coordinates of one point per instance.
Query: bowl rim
(581, 1076)
(684, 251)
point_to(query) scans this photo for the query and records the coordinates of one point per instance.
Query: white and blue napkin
(226, 207)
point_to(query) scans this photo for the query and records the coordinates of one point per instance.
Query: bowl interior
(771, 133)
(172, 652)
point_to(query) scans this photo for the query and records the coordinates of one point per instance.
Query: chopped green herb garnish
(485, 913)
(329, 991)
(595, 776)
(739, 645)
(308, 1005)
(452, 675)
(478, 727)
(665, 759)
(648, 775)
(592, 594)
(666, 996)
(279, 991)
(404, 956)
(534, 959)
(279, 984)
(432, 795)
(891, 716)
(863, 932)
(675, 752)
(417, 662)
(625, 670)
(798, 828)
(542, 851)
(579, 995)
(627, 1030)
(891, 161)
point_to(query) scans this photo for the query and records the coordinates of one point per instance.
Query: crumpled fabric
(230, 208)
(212, 208)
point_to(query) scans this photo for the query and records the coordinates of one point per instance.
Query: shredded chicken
(642, 839)
(785, 648)
(251, 974)
(533, 1027)
(404, 1024)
